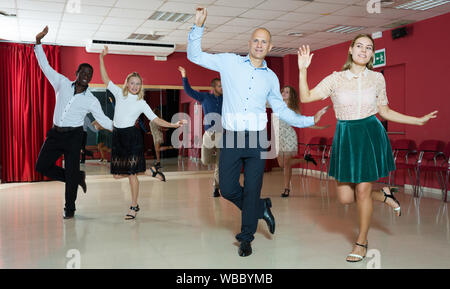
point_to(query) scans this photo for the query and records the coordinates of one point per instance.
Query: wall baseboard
(408, 189)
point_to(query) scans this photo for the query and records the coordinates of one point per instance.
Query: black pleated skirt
(127, 152)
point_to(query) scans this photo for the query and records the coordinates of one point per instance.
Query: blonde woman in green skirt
(361, 152)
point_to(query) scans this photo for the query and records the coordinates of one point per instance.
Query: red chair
(405, 151)
(429, 151)
(440, 166)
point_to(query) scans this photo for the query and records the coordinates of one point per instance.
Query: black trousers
(57, 144)
(246, 198)
(83, 147)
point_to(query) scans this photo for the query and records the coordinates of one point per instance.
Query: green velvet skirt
(361, 151)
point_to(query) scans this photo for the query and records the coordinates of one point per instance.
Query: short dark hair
(85, 65)
(213, 82)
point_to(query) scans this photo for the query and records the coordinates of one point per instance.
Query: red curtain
(27, 101)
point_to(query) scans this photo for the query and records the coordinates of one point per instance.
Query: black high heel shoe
(157, 172)
(285, 194)
(398, 209)
(309, 158)
(157, 165)
(131, 217)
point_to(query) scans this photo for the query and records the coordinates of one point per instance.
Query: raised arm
(187, 87)
(53, 77)
(304, 60)
(105, 77)
(194, 47)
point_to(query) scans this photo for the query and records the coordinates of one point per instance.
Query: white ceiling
(229, 23)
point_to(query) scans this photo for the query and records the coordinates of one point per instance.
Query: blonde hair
(349, 62)
(125, 87)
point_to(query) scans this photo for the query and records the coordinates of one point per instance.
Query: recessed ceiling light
(421, 4)
(298, 34)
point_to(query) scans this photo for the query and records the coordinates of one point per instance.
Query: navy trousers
(246, 198)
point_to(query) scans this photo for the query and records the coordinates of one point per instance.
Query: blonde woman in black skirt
(127, 155)
(361, 152)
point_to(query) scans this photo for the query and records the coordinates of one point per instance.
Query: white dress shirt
(128, 108)
(70, 108)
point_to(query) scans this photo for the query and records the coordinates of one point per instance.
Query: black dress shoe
(245, 249)
(216, 193)
(309, 158)
(68, 214)
(83, 181)
(268, 217)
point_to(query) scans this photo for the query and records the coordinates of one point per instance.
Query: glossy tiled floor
(181, 225)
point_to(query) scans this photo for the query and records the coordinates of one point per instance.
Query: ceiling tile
(8, 4)
(330, 19)
(106, 3)
(281, 5)
(79, 18)
(38, 15)
(297, 17)
(204, 2)
(214, 19)
(179, 7)
(246, 22)
(262, 14)
(95, 10)
(225, 11)
(130, 13)
(40, 6)
(139, 4)
(320, 8)
(119, 28)
(123, 21)
(78, 26)
(239, 3)
(233, 29)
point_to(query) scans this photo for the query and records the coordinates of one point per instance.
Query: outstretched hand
(41, 35)
(304, 57)
(183, 71)
(180, 123)
(200, 16)
(424, 119)
(320, 113)
(105, 51)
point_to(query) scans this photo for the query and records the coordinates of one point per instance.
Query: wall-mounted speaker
(399, 32)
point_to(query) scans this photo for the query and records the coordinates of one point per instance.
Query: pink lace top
(354, 96)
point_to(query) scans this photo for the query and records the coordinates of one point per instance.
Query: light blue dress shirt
(246, 88)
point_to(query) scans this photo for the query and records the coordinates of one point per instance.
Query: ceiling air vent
(170, 16)
(345, 29)
(421, 4)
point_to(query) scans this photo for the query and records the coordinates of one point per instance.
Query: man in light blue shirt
(247, 85)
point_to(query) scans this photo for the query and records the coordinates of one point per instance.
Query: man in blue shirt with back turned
(212, 109)
(247, 85)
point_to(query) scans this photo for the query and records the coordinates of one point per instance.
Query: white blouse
(128, 108)
(354, 96)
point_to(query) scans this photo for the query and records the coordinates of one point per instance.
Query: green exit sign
(379, 58)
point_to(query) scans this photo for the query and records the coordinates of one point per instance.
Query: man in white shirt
(73, 102)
